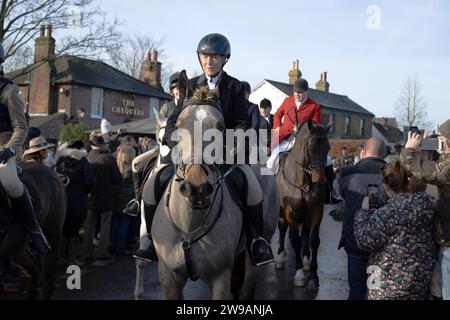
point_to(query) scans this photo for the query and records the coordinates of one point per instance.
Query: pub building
(57, 90)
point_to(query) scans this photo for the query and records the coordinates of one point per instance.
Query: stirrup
(267, 256)
(127, 210)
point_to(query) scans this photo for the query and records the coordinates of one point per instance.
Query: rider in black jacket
(213, 53)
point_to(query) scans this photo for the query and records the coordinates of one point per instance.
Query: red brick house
(70, 88)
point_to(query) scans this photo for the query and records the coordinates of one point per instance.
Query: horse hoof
(279, 265)
(313, 284)
(300, 282)
(306, 264)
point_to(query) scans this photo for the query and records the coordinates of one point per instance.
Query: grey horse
(198, 227)
(141, 265)
(52, 197)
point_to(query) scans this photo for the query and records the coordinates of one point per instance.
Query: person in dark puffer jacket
(73, 165)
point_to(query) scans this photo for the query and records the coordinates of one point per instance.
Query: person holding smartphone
(399, 237)
(438, 175)
(352, 185)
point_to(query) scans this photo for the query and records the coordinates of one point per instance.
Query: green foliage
(74, 131)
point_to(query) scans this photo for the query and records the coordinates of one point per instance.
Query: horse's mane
(203, 96)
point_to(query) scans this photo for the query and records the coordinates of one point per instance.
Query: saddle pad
(237, 185)
(162, 180)
(146, 172)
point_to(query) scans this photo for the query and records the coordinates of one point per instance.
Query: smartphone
(372, 193)
(430, 144)
(416, 130)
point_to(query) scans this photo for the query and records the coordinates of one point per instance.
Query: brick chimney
(295, 73)
(44, 45)
(42, 100)
(322, 84)
(151, 70)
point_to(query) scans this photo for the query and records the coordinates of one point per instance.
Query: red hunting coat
(285, 117)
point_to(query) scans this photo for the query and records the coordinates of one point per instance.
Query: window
(361, 127)
(348, 125)
(97, 103)
(153, 103)
(333, 119)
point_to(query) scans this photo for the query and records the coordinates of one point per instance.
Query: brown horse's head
(311, 148)
(201, 112)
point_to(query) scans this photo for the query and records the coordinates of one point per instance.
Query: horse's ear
(184, 86)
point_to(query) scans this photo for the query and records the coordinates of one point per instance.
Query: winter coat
(73, 164)
(400, 238)
(13, 126)
(351, 186)
(124, 191)
(232, 103)
(287, 115)
(107, 175)
(438, 175)
(254, 115)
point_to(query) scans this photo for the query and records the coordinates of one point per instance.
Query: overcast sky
(370, 65)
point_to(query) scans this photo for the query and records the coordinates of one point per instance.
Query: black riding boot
(146, 250)
(132, 207)
(28, 217)
(260, 251)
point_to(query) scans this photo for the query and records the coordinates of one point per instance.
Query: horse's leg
(171, 282)
(220, 286)
(315, 243)
(50, 264)
(30, 270)
(238, 277)
(139, 287)
(282, 229)
(306, 252)
(300, 278)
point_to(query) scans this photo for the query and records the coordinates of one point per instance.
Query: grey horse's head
(201, 115)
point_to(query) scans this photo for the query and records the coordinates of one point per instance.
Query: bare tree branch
(20, 22)
(130, 56)
(410, 106)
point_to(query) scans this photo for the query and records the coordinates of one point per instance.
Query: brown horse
(301, 183)
(46, 186)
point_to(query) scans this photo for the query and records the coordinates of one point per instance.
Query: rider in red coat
(296, 109)
(288, 113)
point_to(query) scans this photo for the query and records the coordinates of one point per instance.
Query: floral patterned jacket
(400, 239)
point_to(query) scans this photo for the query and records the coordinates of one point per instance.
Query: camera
(372, 193)
(416, 130)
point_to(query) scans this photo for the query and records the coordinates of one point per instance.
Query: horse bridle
(192, 236)
(307, 169)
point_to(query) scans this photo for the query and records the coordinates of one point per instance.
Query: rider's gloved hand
(6, 154)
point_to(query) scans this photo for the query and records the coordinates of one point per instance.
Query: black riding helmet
(173, 80)
(215, 43)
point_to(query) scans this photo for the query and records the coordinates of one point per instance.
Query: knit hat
(444, 129)
(105, 126)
